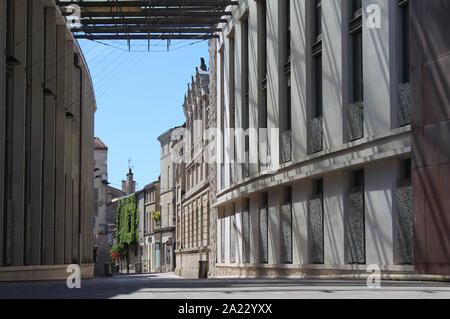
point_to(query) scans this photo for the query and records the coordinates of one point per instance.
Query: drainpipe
(77, 66)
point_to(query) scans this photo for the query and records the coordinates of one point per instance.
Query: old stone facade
(101, 247)
(47, 116)
(193, 203)
(321, 183)
(164, 233)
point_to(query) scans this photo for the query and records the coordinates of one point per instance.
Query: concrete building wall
(2, 123)
(37, 89)
(380, 151)
(430, 103)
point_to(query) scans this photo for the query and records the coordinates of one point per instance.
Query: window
(168, 177)
(404, 40)
(317, 20)
(318, 97)
(232, 104)
(355, 107)
(356, 51)
(316, 130)
(246, 90)
(317, 59)
(356, 7)
(262, 72)
(286, 140)
(288, 29)
(222, 103)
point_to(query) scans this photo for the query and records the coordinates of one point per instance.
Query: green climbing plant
(127, 223)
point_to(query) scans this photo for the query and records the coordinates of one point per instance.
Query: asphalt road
(169, 286)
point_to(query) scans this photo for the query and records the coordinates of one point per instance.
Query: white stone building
(336, 195)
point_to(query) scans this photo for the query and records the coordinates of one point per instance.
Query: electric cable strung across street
(148, 20)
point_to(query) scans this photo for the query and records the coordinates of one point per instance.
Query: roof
(169, 132)
(99, 145)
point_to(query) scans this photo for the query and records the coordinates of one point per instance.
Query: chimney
(203, 66)
(130, 183)
(129, 186)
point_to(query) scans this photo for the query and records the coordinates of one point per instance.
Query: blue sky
(139, 96)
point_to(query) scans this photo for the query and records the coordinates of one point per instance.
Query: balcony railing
(355, 121)
(404, 105)
(316, 135)
(354, 226)
(405, 220)
(315, 224)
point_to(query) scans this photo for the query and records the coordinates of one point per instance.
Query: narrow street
(169, 286)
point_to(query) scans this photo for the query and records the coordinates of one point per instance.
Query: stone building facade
(47, 117)
(101, 247)
(321, 184)
(149, 226)
(164, 233)
(192, 188)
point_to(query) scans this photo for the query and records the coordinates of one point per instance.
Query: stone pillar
(300, 246)
(380, 182)
(2, 119)
(299, 84)
(37, 118)
(60, 121)
(334, 187)
(19, 131)
(334, 51)
(48, 244)
(68, 241)
(380, 68)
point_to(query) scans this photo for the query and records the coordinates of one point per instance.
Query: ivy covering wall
(127, 223)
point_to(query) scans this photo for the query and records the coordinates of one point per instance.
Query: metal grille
(146, 20)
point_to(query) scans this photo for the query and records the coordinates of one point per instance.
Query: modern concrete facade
(333, 91)
(192, 182)
(46, 132)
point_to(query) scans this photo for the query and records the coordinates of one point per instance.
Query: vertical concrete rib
(49, 143)
(2, 121)
(36, 156)
(60, 143)
(68, 241)
(76, 161)
(18, 142)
